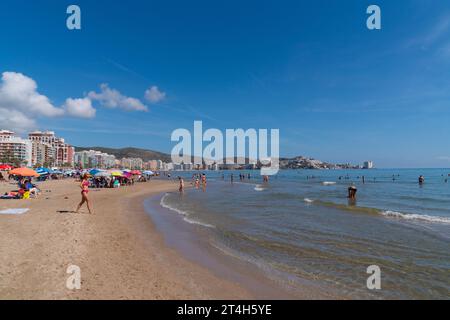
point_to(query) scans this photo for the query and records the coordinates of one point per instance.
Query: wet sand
(119, 252)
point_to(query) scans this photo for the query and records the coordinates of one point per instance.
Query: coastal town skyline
(46, 149)
(158, 75)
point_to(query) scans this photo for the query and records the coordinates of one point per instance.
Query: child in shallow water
(181, 180)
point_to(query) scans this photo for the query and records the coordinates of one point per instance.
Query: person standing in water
(204, 180)
(181, 188)
(84, 185)
(352, 192)
(232, 178)
(421, 180)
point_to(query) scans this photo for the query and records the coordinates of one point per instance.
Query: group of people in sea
(198, 179)
(352, 190)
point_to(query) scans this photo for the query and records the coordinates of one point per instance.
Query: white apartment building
(93, 158)
(43, 154)
(62, 152)
(368, 165)
(14, 148)
(132, 163)
(6, 134)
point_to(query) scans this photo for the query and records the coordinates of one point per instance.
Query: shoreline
(193, 242)
(119, 251)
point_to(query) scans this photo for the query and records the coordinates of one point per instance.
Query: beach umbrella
(116, 173)
(5, 167)
(136, 172)
(127, 175)
(148, 172)
(102, 174)
(94, 171)
(43, 171)
(24, 172)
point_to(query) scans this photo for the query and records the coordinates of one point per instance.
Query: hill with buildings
(301, 162)
(129, 152)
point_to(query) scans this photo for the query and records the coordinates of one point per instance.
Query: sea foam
(422, 217)
(185, 214)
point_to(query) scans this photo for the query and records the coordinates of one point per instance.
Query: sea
(300, 230)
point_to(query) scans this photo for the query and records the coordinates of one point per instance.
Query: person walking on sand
(84, 185)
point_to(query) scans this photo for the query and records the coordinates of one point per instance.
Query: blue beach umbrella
(43, 171)
(93, 172)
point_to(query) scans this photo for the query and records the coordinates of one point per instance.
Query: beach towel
(14, 211)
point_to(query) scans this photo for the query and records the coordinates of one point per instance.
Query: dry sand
(120, 254)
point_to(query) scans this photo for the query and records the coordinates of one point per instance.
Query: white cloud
(81, 108)
(15, 120)
(154, 95)
(21, 103)
(112, 98)
(19, 92)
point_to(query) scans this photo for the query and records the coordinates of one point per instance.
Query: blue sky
(337, 91)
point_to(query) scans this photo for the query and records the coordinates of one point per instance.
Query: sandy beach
(119, 252)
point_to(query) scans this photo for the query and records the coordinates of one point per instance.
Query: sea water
(301, 227)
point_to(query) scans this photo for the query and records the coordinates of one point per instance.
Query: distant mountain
(301, 162)
(130, 152)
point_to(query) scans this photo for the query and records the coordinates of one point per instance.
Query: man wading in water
(352, 192)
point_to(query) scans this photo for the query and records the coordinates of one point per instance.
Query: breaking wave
(185, 214)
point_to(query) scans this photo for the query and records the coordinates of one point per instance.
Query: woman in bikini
(84, 185)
